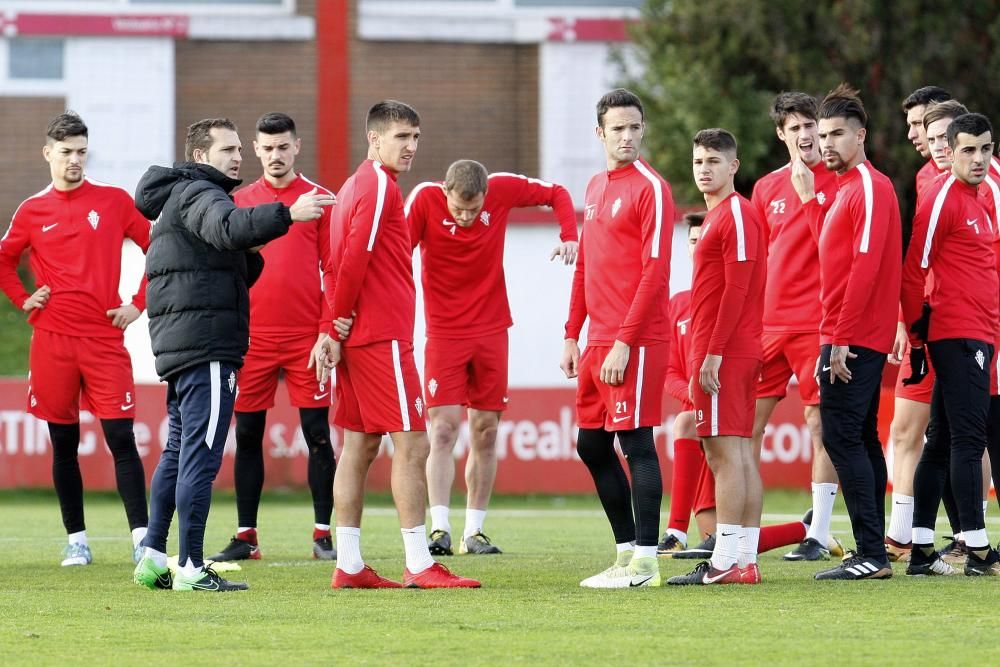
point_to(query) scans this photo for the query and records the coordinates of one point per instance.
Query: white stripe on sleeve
(741, 241)
(379, 202)
(866, 184)
(658, 200)
(932, 225)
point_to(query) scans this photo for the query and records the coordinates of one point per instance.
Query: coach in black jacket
(200, 264)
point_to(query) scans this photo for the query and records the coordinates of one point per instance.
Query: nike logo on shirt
(826, 368)
(46, 228)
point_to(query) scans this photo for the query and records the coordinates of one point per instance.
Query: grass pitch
(531, 609)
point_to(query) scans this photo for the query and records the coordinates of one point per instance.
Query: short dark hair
(275, 122)
(619, 97)
(924, 96)
(466, 178)
(199, 135)
(969, 123)
(947, 109)
(694, 219)
(67, 124)
(717, 139)
(843, 102)
(385, 113)
(788, 103)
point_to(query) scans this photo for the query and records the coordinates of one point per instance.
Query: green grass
(530, 611)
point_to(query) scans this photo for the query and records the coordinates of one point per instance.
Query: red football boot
(750, 574)
(366, 578)
(437, 576)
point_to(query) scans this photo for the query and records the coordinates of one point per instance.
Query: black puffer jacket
(198, 266)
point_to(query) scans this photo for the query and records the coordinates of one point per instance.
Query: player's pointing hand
(310, 205)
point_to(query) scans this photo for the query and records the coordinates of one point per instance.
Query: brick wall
(244, 80)
(27, 171)
(477, 101)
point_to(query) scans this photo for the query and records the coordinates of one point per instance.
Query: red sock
(684, 482)
(317, 533)
(249, 535)
(772, 537)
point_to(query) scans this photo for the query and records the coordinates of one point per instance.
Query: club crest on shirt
(419, 405)
(981, 359)
(450, 224)
(432, 386)
(232, 381)
(485, 217)
(616, 207)
(93, 218)
(821, 197)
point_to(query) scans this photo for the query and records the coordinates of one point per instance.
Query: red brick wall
(477, 101)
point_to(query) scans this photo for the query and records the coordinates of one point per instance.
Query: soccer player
(622, 284)
(692, 486)
(727, 304)
(202, 260)
(287, 311)
(859, 261)
(460, 225)
(953, 235)
(791, 303)
(378, 388)
(73, 231)
(914, 107)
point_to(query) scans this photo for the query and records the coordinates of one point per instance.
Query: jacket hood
(155, 186)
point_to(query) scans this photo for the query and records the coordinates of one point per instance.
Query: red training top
(953, 233)
(75, 238)
(727, 290)
(860, 250)
(465, 293)
(372, 258)
(678, 376)
(791, 292)
(925, 179)
(623, 269)
(288, 296)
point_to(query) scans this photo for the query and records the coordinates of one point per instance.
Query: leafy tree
(719, 63)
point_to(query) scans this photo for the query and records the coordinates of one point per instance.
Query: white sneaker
(616, 576)
(77, 554)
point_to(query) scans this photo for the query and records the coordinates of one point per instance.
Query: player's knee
(905, 436)
(483, 431)
(120, 437)
(444, 432)
(316, 429)
(250, 430)
(593, 446)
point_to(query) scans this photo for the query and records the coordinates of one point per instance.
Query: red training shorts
(467, 371)
(731, 411)
(635, 402)
(65, 368)
(920, 392)
(378, 389)
(787, 354)
(269, 354)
